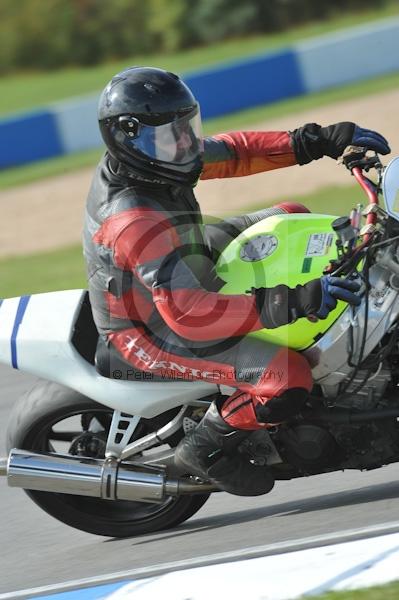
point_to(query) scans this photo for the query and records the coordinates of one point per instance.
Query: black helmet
(150, 122)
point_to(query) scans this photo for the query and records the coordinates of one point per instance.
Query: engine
(309, 448)
(373, 443)
(366, 390)
(368, 445)
(321, 447)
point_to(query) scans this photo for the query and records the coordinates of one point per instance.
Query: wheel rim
(57, 433)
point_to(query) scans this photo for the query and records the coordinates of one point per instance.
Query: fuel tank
(288, 249)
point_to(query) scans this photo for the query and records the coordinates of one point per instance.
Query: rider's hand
(282, 305)
(312, 141)
(318, 297)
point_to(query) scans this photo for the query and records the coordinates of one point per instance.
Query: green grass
(48, 168)
(42, 272)
(29, 90)
(64, 269)
(382, 592)
(64, 164)
(341, 198)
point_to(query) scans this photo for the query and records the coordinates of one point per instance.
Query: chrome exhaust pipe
(107, 479)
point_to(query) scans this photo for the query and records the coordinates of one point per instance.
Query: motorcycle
(94, 448)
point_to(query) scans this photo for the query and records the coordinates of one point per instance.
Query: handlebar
(357, 162)
(372, 195)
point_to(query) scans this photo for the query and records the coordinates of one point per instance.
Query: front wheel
(53, 418)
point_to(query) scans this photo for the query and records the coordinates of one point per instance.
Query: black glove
(312, 141)
(282, 305)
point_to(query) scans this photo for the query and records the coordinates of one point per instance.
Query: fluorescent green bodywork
(287, 263)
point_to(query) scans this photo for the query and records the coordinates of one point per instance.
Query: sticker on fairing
(318, 244)
(306, 265)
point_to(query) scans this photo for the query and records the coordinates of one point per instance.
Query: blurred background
(252, 64)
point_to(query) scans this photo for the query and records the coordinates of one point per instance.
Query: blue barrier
(29, 137)
(331, 60)
(256, 81)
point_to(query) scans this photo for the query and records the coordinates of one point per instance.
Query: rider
(150, 259)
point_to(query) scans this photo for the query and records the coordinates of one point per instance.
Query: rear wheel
(53, 418)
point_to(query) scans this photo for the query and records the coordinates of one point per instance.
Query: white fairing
(390, 188)
(35, 337)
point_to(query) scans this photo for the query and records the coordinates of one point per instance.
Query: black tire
(30, 428)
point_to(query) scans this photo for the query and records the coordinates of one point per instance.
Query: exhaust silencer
(107, 479)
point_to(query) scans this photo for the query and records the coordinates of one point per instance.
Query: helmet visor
(178, 142)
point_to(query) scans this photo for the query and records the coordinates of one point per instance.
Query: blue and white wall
(336, 59)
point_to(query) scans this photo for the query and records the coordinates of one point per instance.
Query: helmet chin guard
(150, 122)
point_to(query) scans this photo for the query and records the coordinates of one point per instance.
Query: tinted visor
(178, 142)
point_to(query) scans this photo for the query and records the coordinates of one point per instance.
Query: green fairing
(295, 259)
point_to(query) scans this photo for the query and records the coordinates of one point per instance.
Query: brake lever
(355, 156)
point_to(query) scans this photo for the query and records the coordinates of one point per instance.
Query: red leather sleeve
(246, 152)
(199, 315)
(150, 249)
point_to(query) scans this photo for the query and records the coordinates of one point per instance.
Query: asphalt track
(36, 550)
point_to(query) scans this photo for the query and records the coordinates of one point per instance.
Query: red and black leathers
(152, 285)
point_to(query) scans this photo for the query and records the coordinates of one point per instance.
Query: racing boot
(210, 452)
